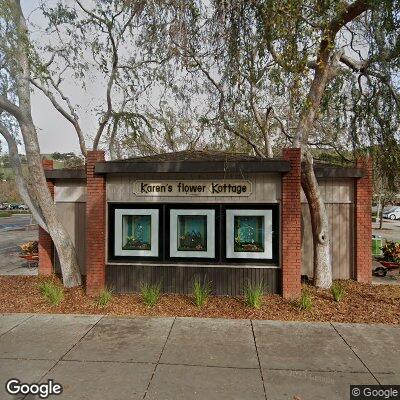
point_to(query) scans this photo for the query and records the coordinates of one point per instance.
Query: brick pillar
(291, 225)
(362, 222)
(95, 225)
(46, 249)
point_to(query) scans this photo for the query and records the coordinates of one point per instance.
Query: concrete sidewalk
(109, 358)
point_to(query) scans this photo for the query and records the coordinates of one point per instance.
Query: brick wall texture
(46, 249)
(95, 225)
(363, 228)
(291, 225)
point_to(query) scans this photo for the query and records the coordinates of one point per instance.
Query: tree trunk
(64, 246)
(319, 224)
(380, 216)
(23, 187)
(379, 207)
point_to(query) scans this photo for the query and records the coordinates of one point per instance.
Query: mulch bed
(362, 303)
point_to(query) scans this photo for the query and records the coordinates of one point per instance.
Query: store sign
(217, 188)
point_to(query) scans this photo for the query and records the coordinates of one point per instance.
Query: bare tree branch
(72, 118)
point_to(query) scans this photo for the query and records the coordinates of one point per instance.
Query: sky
(54, 132)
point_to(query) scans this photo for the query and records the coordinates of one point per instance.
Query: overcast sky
(55, 133)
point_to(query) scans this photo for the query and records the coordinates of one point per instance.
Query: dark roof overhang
(65, 174)
(121, 167)
(330, 171)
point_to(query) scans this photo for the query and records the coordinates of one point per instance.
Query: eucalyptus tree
(107, 47)
(15, 108)
(302, 64)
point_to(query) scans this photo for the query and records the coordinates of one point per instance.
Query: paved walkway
(97, 357)
(13, 233)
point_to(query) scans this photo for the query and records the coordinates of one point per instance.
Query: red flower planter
(390, 264)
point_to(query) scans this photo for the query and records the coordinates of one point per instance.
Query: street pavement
(14, 222)
(13, 232)
(390, 231)
(109, 358)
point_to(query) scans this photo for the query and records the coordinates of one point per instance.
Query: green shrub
(253, 294)
(151, 293)
(201, 292)
(305, 301)
(338, 291)
(51, 292)
(104, 298)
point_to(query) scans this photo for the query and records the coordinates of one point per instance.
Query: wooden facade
(70, 198)
(339, 201)
(179, 279)
(266, 188)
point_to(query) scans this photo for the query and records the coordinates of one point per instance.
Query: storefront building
(227, 219)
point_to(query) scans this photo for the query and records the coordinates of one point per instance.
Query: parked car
(13, 206)
(393, 213)
(23, 207)
(3, 206)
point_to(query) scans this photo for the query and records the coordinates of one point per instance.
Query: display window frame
(231, 252)
(116, 210)
(164, 254)
(193, 209)
(174, 214)
(248, 257)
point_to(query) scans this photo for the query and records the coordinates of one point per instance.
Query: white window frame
(118, 250)
(230, 239)
(173, 233)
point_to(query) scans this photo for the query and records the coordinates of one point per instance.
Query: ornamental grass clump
(253, 294)
(305, 301)
(104, 298)
(51, 292)
(338, 291)
(151, 293)
(201, 292)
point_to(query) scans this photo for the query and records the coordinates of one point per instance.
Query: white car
(393, 213)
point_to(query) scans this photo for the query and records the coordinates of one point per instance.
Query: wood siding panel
(341, 230)
(73, 217)
(266, 188)
(225, 281)
(335, 191)
(70, 191)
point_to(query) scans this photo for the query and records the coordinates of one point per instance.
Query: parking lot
(389, 231)
(13, 232)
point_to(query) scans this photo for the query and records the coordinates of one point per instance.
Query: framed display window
(249, 234)
(136, 232)
(192, 233)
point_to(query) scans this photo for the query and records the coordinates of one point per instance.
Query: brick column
(291, 225)
(46, 249)
(95, 225)
(362, 222)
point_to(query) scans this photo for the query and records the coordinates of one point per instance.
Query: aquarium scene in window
(249, 233)
(136, 232)
(192, 233)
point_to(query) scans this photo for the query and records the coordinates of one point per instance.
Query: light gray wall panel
(70, 191)
(340, 218)
(73, 217)
(266, 188)
(335, 191)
